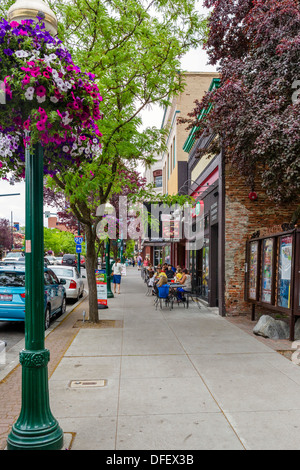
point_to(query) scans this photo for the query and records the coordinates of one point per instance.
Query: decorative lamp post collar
(30, 9)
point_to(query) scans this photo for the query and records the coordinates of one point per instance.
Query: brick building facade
(243, 217)
(231, 215)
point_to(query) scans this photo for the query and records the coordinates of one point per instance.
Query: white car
(74, 282)
(14, 256)
(59, 260)
(51, 259)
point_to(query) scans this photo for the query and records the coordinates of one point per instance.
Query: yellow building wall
(200, 167)
(173, 182)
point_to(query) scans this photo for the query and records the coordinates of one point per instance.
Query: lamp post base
(36, 428)
(49, 439)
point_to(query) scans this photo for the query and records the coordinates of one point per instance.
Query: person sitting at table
(186, 280)
(169, 272)
(178, 274)
(162, 278)
(186, 285)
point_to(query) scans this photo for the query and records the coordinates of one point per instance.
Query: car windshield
(62, 272)
(12, 279)
(12, 255)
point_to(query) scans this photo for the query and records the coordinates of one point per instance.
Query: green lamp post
(110, 295)
(36, 428)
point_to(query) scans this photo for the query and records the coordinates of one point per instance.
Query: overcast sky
(194, 61)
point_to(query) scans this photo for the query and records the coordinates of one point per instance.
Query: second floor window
(158, 181)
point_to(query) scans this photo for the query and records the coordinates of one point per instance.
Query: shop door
(157, 256)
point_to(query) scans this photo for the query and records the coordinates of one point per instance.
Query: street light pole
(110, 295)
(36, 428)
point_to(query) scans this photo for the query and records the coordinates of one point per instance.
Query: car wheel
(47, 317)
(63, 306)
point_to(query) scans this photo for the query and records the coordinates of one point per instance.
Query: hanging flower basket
(44, 98)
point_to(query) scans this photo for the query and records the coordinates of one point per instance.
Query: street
(13, 333)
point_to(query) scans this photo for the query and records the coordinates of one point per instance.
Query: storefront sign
(171, 229)
(214, 213)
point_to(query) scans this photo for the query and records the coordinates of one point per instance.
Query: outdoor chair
(194, 297)
(162, 296)
(149, 288)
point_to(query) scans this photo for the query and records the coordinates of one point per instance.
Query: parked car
(59, 260)
(82, 261)
(13, 261)
(14, 256)
(12, 294)
(74, 282)
(51, 259)
(69, 260)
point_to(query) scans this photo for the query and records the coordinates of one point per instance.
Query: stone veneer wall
(243, 217)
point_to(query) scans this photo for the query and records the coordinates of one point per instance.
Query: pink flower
(26, 124)
(46, 74)
(40, 125)
(40, 91)
(14, 24)
(26, 80)
(35, 72)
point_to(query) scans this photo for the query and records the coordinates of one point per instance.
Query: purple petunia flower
(8, 52)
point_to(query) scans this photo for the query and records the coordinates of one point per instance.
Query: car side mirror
(62, 281)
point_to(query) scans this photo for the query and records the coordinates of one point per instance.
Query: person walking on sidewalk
(117, 274)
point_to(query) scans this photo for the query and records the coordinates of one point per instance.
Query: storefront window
(267, 270)
(285, 271)
(253, 270)
(205, 272)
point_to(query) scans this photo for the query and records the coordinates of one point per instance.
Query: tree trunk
(91, 263)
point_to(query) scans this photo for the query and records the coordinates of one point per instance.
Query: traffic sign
(78, 248)
(78, 240)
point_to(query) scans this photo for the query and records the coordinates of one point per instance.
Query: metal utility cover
(88, 383)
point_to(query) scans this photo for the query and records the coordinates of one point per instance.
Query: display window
(267, 270)
(285, 271)
(253, 270)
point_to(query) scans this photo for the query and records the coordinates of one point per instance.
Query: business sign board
(101, 281)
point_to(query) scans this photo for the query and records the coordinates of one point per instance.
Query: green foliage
(59, 241)
(129, 252)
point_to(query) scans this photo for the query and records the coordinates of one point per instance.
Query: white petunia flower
(41, 99)
(29, 96)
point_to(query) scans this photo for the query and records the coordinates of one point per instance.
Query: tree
(59, 241)
(5, 235)
(255, 111)
(133, 48)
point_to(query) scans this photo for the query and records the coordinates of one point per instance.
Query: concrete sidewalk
(180, 379)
